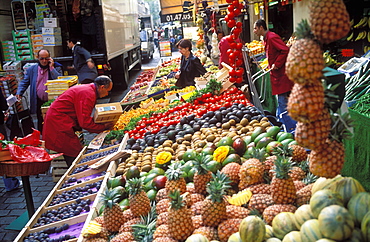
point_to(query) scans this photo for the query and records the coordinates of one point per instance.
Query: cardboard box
(21, 40)
(51, 22)
(24, 52)
(55, 40)
(51, 31)
(108, 112)
(25, 57)
(21, 33)
(55, 51)
(12, 66)
(36, 37)
(23, 46)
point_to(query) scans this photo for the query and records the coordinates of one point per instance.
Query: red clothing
(69, 112)
(277, 52)
(223, 46)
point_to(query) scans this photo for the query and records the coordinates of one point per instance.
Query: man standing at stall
(276, 53)
(35, 78)
(71, 112)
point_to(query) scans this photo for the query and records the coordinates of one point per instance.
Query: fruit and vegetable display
(255, 47)
(358, 84)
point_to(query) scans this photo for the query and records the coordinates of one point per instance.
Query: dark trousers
(87, 81)
(69, 159)
(40, 119)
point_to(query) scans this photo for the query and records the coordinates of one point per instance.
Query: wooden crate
(44, 110)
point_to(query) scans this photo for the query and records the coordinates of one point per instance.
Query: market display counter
(79, 186)
(357, 150)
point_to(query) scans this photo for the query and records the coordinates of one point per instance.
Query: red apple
(159, 181)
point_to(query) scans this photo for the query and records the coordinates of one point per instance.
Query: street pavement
(13, 204)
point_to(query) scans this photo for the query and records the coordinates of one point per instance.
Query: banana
(365, 35)
(361, 23)
(352, 22)
(359, 36)
(366, 22)
(349, 38)
(368, 36)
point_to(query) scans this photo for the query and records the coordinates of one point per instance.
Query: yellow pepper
(221, 153)
(163, 157)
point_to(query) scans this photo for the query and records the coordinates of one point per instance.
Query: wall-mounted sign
(177, 17)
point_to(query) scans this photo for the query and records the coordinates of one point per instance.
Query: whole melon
(336, 223)
(347, 187)
(294, 236)
(365, 226)
(358, 206)
(310, 231)
(196, 238)
(356, 236)
(302, 214)
(235, 237)
(324, 183)
(273, 240)
(324, 198)
(252, 229)
(269, 232)
(283, 223)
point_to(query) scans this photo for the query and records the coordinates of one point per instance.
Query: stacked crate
(60, 85)
(8, 50)
(23, 45)
(37, 43)
(58, 167)
(52, 37)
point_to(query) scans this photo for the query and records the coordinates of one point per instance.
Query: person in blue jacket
(82, 62)
(36, 76)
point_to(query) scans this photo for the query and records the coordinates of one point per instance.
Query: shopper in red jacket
(276, 53)
(70, 112)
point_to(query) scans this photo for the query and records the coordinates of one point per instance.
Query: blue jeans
(11, 183)
(282, 113)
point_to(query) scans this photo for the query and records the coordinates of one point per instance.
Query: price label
(177, 17)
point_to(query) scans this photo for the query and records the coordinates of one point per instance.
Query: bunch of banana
(350, 37)
(92, 229)
(352, 22)
(366, 49)
(363, 22)
(368, 36)
(329, 60)
(361, 35)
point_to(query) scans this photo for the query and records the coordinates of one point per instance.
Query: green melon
(273, 240)
(294, 236)
(336, 223)
(365, 226)
(347, 188)
(324, 183)
(196, 238)
(283, 223)
(325, 240)
(322, 199)
(358, 206)
(302, 214)
(310, 231)
(356, 236)
(252, 228)
(235, 237)
(269, 232)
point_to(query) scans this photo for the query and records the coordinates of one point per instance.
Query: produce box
(357, 151)
(51, 22)
(44, 110)
(108, 112)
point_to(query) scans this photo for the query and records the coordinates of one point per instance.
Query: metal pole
(28, 195)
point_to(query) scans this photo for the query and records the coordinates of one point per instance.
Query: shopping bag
(20, 124)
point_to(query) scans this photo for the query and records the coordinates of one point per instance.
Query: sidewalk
(13, 204)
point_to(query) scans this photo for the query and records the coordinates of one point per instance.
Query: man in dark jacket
(82, 62)
(276, 53)
(35, 78)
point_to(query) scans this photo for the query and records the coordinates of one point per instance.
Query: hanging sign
(176, 17)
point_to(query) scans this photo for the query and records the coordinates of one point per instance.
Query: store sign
(177, 17)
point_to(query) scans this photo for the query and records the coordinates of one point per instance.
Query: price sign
(176, 17)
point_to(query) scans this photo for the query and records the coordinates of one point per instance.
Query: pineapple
(175, 179)
(233, 211)
(196, 208)
(112, 214)
(329, 20)
(180, 223)
(299, 185)
(165, 239)
(305, 59)
(214, 206)
(270, 212)
(127, 227)
(232, 171)
(161, 194)
(162, 218)
(144, 229)
(306, 102)
(297, 173)
(190, 188)
(261, 188)
(304, 195)
(227, 228)
(196, 198)
(139, 201)
(123, 237)
(202, 175)
(260, 202)
(299, 153)
(209, 232)
(197, 221)
(128, 214)
(327, 160)
(252, 170)
(162, 206)
(282, 186)
(313, 135)
(161, 231)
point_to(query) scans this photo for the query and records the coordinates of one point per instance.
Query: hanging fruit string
(235, 51)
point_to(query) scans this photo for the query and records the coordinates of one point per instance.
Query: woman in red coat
(276, 53)
(70, 112)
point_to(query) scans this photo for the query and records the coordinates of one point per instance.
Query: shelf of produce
(86, 185)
